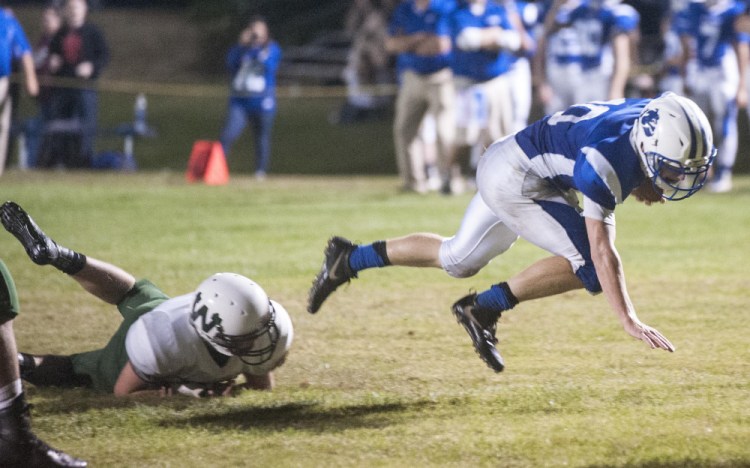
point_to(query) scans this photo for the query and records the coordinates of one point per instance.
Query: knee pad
(455, 266)
(9, 306)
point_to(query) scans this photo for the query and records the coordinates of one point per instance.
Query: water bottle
(139, 122)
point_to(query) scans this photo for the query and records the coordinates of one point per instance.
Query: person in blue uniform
(528, 186)
(253, 63)
(715, 74)
(585, 52)
(486, 35)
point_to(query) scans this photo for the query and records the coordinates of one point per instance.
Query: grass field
(383, 376)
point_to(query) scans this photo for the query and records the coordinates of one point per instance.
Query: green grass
(383, 376)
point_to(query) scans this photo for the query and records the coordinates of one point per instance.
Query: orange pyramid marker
(207, 163)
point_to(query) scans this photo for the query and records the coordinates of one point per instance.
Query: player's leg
(235, 123)
(553, 225)
(19, 446)
(262, 122)
(443, 102)
(479, 239)
(411, 107)
(724, 108)
(101, 279)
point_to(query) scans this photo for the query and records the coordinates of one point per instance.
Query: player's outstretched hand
(650, 335)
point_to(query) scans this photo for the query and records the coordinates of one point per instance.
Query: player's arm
(742, 49)
(621, 45)
(401, 43)
(129, 382)
(433, 44)
(29, 74)
(612, 279)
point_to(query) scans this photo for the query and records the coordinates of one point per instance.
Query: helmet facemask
(252, 348)
(677, 181)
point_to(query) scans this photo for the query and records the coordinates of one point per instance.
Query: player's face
(75, 12)
(673, 175)
(259, 31)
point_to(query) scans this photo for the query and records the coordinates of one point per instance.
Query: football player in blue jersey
(528, 186)
(485, 35)
(716, 80)
(585, 52)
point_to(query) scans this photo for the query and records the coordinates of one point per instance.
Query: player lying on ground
(528, 186)
(19, 447)
(197, 343)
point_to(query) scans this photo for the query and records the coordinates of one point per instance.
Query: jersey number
(580, 112)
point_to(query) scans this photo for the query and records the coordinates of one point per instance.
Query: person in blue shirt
(13, 46)
(528, 186)
(715, 74)
(253, 63)
(486, 35)
(419, 37)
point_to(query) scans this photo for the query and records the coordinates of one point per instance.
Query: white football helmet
(236, 317)
(674, 140)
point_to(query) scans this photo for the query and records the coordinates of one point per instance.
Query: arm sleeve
(593, 210)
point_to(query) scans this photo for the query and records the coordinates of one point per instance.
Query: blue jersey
(253, 70)
(531, 14)
(711, 28)
(13, 42)
(585, 32)
(587, 148)
(480, 65)
(407, 19)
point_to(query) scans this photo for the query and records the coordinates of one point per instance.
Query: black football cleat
(20, 448)
(334, 272)
(481, 325)
(41, 249)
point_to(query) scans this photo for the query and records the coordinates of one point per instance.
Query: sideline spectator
(368, 64)
(18, 445)
(419, 35)
(253, 63)
(51, 21)
(13, 46)
(77, 51)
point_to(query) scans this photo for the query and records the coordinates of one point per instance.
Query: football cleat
(41, 249)
(334, 272)
(19, 447)
(481, 325)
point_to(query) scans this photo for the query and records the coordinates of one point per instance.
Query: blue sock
(368, 256)
(499, 297)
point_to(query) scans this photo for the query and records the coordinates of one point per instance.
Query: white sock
(9, 393)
